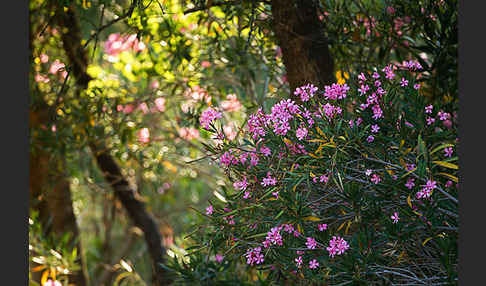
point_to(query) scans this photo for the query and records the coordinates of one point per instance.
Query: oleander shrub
(354, 184)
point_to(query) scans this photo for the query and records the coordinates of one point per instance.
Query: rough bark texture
(300, 35)
(50, 195)
(71, 39)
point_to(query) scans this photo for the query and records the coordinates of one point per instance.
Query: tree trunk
(135, 208)
(300, 35)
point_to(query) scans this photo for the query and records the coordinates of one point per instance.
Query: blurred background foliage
(155, 65)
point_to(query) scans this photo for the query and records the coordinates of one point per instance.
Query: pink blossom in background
(448, 184)
(160, 104)
(323, 179)
(116, 44)
(128, 108)
(390, 10)
(54, 128)
(313, 264)
(154, 84)
(208, 116)
(322, 227)
(430, 120)
(41, 78)
(404, 82)
(231, 103)
(370, 138)
(311, 243)
(56, 66)
(274, 236)
(229, 132)
(395, 217)
(188, 133)
(205, 64)
(44, 58)
(119, 107)
(143, 106)
(143, 135)
(305, 92)
(246, 195)
(416, 86)
(368, 172)
(447, 123)
(209, 210)
(428, 108)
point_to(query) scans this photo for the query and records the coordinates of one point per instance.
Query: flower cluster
(337, 245)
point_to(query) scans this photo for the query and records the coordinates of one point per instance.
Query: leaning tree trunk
(300, 35)
(135, 208)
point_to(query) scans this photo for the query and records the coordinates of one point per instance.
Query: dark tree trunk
(135, 208)
(300, 35)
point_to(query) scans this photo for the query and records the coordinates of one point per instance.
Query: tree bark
(135, 208)
(300, 35)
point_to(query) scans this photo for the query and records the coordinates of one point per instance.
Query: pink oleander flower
(241, 185)
(305, 92)
(253, 159)
(448, 152)
(246, 195)
(361, 77)
(143, 135)
(337, 245)
(363, 89)
(377, 112)
(390, 10)
(358, 121)
(219, 258)
(274, 236)
(428, 108)
(266, 151)
(375, 128)
(313, 264)
(231, 103)
(323, 179)
(226, 159)
(370, 138)
(298, 261)
(426, 191)
(377, 83)
(301, 133)
(275, 194)
(416, 86)
(403, 82)
(368, 172)
(376, 75)
(288, 228)
(375, 178)
(269, 180)
(322, 227)
(154, 84)
(395, 217)
(336, 91)
(443, 115)
(209, 210)
(410, 183)
(144, 107)
(253, 255)
(448, 184)
(160, 104)
(311, 243)
(430, 120)
(208, 116)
